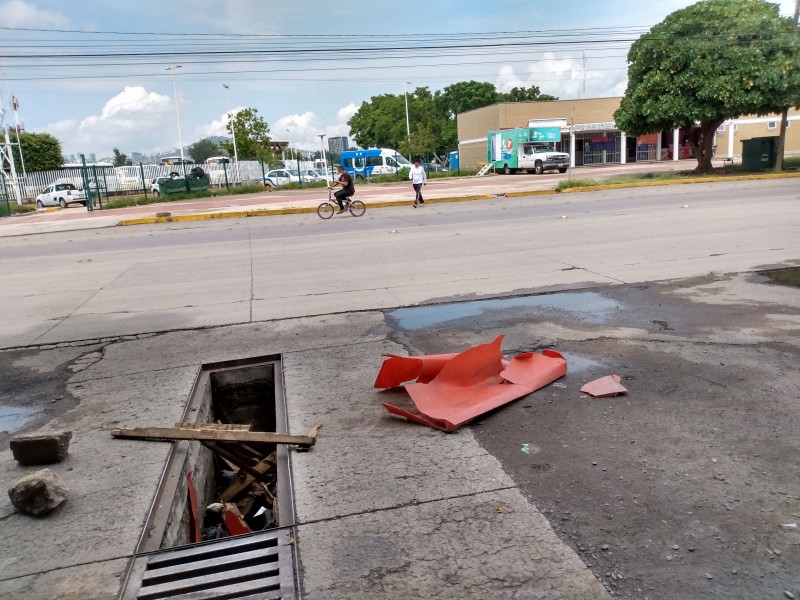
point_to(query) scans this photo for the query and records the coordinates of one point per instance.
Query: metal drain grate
(258, 566)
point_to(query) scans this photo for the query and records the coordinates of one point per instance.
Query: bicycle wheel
(357, 208)
(325, 210)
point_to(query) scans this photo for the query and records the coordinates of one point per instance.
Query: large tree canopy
(381, 122)
(41, 151)
(709, 62)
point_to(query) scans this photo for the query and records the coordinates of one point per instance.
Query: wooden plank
(171, 433)
(215, 426)
(237, 487)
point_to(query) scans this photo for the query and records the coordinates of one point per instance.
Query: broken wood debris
(214, 435)
(246, 474)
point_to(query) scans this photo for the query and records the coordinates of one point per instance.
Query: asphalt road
(115, 281)
(678, 490)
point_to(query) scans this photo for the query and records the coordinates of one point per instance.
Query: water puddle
(13, 418)
(790, 277)
(588, 307)
(579, 364)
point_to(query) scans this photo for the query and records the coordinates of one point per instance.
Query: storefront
(592, 138)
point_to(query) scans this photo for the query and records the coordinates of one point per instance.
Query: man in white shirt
(418, 179)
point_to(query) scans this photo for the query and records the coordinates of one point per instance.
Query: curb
(268, 212)
(618, 186)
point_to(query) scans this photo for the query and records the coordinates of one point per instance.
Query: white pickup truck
(541, 157)
(60, 194)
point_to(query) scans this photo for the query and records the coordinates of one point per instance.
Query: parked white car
(282, 177)
(60, 194)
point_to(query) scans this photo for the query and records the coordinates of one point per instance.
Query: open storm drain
(222, 521)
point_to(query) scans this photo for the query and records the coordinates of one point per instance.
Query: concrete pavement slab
(100, 579)
(406, 463)
(487, 545)
(110, 481)
(186, 348)
(93, 326)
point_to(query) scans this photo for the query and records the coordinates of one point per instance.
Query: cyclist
(346, 181)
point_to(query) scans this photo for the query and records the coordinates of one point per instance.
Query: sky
(94, 73)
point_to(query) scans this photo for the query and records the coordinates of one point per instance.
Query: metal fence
(130, 179)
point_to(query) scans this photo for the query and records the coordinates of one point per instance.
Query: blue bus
(362, 164)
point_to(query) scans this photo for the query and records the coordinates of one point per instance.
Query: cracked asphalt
(677, 490)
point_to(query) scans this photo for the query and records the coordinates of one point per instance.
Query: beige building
(593, 137)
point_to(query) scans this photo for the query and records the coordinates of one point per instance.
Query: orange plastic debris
(605, 387)
(453, 389)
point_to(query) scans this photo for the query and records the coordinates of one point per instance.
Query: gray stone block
(38, 493)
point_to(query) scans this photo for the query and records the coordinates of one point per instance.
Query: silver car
(60, 194)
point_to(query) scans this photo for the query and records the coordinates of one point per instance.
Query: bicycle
(327, 209)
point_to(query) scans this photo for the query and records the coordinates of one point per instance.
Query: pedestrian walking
(418, 179)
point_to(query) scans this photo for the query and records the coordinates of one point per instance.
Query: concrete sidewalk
(385, 509)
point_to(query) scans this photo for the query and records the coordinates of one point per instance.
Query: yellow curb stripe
(633, 184)
(268, 212)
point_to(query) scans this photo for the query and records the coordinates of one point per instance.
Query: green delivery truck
(529, 148)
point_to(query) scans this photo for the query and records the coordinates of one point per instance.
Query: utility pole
(408, 123)
(785, 115)
(7, 155)
(15, 108)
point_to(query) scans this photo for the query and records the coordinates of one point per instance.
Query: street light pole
(324, 158)
(177, 110)
(233, 131)
(408, 123)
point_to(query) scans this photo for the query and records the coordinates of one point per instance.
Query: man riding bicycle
(346, 181)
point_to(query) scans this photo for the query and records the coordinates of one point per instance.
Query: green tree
(120, 159)
(41, 151)
(709, 62)
(466, 95)
(252, 136)
(202, 150)
(531, 94)
(380, 123)
(421, 142)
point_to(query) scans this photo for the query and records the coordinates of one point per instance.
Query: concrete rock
(40, 448)
(38, 493)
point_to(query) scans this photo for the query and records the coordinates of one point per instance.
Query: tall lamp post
(233, 132)
(324, 158)
(177, 110)
(408, 123)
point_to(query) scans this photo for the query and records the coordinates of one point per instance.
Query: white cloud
(17, 13)
(217, 126)
(130, 121)
(562, 77)
(301, 130)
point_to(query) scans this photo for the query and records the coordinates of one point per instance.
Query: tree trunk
(703, 150)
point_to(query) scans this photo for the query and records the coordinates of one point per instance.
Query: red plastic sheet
(605, 387)
(452, 389)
